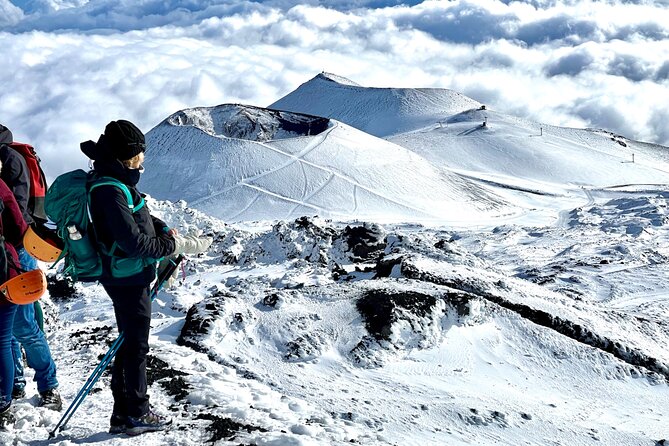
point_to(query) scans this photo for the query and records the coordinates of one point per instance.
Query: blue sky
(73, 65)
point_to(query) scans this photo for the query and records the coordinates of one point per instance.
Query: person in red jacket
(12, 228)
(27, 330)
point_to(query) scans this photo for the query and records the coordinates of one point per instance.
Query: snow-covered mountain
(538, 318)
(379, 111)
(461, 134)
(246, 163)
(445, 158)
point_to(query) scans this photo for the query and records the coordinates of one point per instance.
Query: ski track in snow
(298, 158)
(563, 216)
(294, 158)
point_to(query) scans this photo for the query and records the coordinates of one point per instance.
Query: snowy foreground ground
(308, 332)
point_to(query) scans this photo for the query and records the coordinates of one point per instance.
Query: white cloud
(562, 63)
(9, 14)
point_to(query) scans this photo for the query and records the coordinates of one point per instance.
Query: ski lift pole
(106, 359)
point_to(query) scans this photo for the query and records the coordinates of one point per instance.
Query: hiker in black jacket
(119, 153)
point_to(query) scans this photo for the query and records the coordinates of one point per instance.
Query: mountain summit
(378, 111)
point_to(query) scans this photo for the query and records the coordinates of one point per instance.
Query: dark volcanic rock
(171, 380)
(60, 288)
(572, 329)
(378, 309)
(385, 265)
(225, 428)
(198, 320)
(365, 242)
(157, 369)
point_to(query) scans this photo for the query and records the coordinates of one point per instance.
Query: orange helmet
(43, 247)
(25, 288)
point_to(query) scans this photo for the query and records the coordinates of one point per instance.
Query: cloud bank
(75, 65)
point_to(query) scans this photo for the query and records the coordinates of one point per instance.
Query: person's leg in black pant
(132, 307)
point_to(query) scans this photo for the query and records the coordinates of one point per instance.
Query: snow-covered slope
(459, 134)
(510, 150)
(246, 163)
(379, 111)
(310, 333)
(445, 158)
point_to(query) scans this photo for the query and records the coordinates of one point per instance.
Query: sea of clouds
(70, 66)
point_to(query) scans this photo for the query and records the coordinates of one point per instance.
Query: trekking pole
(106, 359)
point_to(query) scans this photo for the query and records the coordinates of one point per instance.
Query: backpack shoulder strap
(109, 181)
(98, 181)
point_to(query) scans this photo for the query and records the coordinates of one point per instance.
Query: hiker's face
(136, 162)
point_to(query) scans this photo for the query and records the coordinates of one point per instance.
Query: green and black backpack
(67, 205)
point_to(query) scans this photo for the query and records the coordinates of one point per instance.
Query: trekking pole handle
(167, 272)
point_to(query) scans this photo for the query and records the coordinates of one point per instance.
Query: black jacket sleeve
(15, 174)
(160, 226)
(134, 234)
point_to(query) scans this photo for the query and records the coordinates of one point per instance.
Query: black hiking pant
(132, 308)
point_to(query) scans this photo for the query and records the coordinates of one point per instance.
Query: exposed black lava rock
(537, 276)
(442, 243)
(97, 332)
(228, 258)
(225, 428)
(176, 387)
(377, 308)
(259, 124)
(92, 336)
(338, 272)
(312, 228)
(198, 319)
(271, 300)
(157, 369)
(385, 265)
(253, 123)
(366, 242)
(304, 347)
(171, 380)
(60, 287)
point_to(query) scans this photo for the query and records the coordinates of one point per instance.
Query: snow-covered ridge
(248, 122)
(337, 79)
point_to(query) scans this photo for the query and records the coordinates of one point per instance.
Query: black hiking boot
(118, 424)
(18, 393)
(149, 422)
(6, 417)
(51, 400)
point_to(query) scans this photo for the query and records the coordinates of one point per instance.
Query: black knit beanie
(122, 140)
